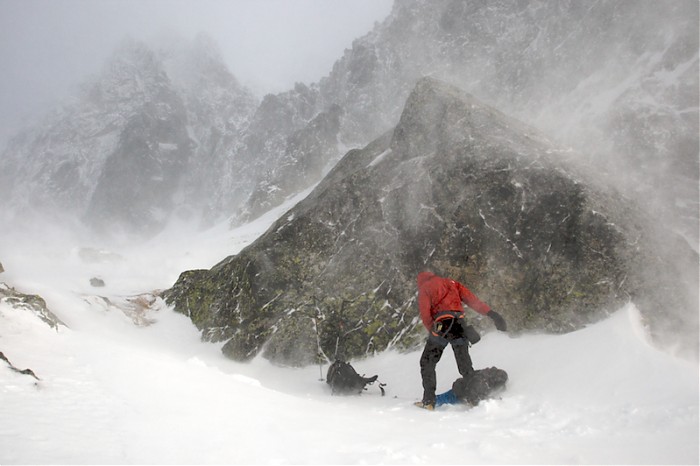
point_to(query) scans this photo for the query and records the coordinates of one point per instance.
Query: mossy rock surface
(31, 303)
(479, 197)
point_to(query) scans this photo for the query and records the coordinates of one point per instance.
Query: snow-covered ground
(114, 392)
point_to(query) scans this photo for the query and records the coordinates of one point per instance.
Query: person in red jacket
(440, 304)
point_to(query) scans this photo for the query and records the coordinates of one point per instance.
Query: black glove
(498, 321)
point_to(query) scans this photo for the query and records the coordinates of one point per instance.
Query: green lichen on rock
(32, 303)
(457, 185)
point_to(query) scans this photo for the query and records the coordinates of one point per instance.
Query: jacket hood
(424, 277)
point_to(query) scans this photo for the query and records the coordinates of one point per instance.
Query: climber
(440, 306)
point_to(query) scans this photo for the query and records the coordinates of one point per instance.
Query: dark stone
(547, 246)
(31, 303)
(97, 282)
(15, 369)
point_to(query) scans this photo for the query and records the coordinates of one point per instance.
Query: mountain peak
(132, 55)
(461, 187)
(204, 45)
(435, 108)
(132, 73)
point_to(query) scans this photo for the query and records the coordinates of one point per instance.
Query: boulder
(31, 303)
(474, 194)
(97, 282)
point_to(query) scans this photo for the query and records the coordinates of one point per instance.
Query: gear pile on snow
(344, 379)
(481, 385)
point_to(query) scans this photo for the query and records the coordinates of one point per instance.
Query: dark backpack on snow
(344, 380)
(480, 385)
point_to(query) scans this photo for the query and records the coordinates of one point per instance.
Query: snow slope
(114, 392)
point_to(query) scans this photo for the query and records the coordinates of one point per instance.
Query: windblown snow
(114, 392)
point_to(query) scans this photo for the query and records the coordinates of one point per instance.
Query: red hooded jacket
(437, 294)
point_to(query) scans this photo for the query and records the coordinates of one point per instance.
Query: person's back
(438, 294)
(440, 306)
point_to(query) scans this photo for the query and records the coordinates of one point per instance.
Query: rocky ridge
(146, 140)
(616, 80)
(465, 189)
(29, 303)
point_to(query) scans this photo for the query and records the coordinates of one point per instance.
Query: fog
(112, 392)
(587, 99)
(117, 373)
(47, 47)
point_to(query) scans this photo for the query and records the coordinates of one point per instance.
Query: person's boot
(430, 406)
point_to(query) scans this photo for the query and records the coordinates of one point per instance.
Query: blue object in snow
(447, 398)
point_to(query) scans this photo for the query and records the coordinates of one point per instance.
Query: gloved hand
(498, 320)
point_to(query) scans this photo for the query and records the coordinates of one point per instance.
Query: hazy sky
(47, 47)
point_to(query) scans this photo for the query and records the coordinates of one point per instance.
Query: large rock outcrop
(615, 79)
(29, 303)
(466, 189)
(155, 136)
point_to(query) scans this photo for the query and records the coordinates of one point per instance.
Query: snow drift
(113, 392)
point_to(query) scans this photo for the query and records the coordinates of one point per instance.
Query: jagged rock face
(60, 166)
(141, 176)
(458, 185)
(219, 111)
(305, 159)
(31, 303)
(151, 136)
(288, 143)
(617, 80)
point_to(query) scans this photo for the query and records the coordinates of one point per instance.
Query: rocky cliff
(33, 304)
(463, 188)
(170, 132)
(615, 80)
(154, 136)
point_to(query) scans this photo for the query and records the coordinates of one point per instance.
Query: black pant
(432, 354)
